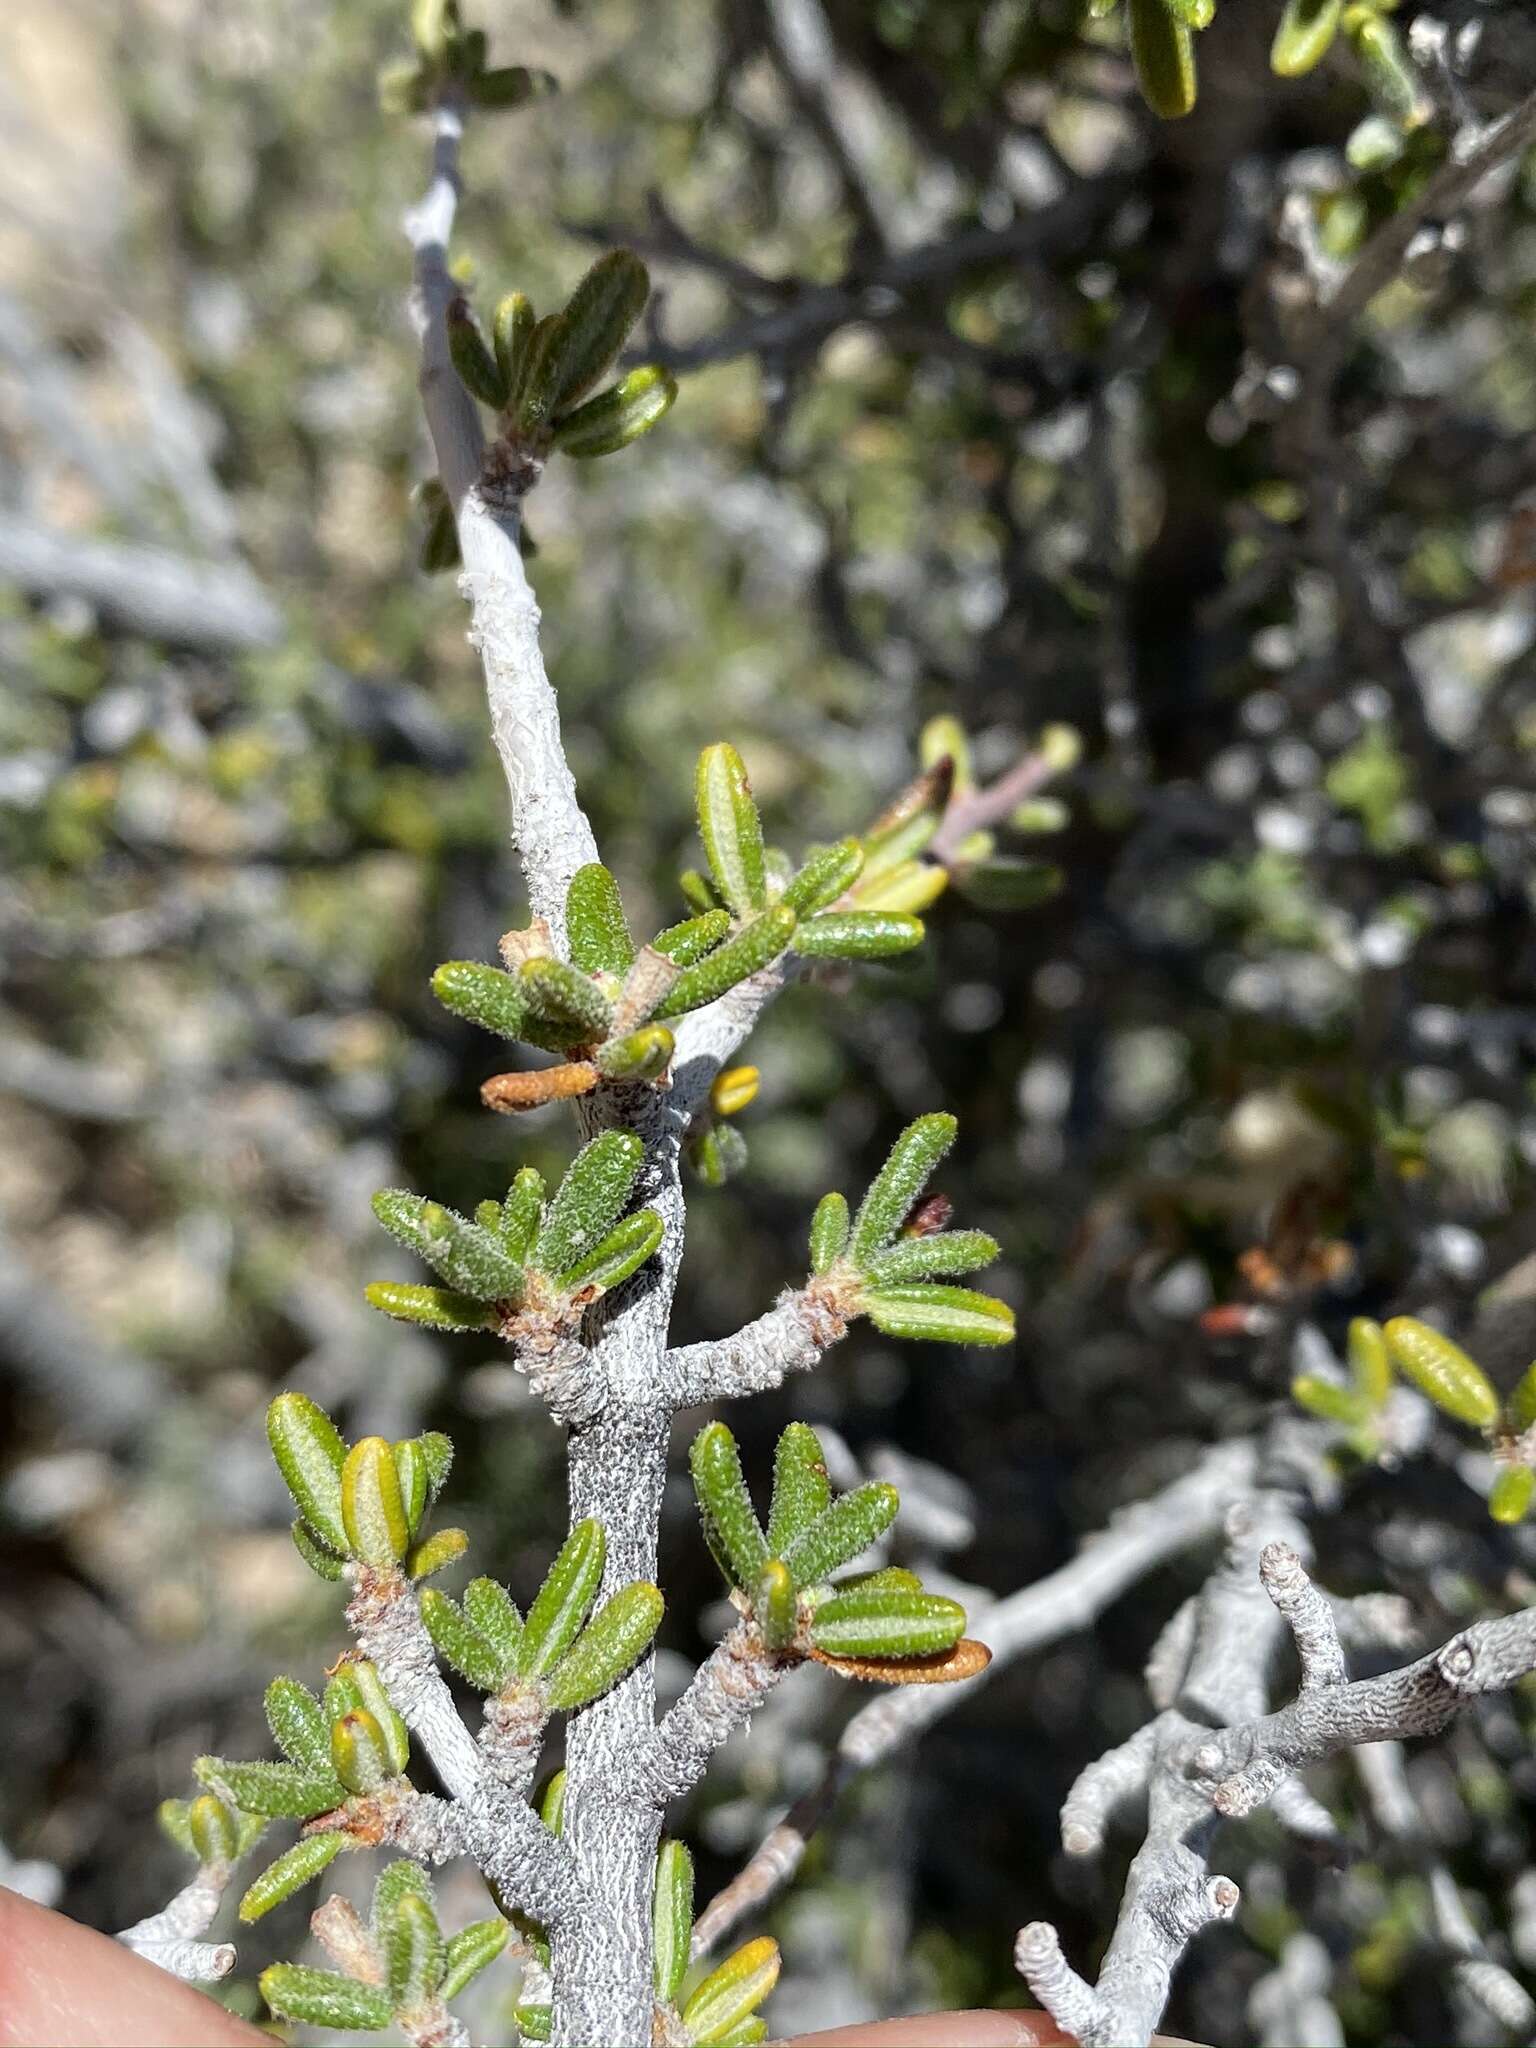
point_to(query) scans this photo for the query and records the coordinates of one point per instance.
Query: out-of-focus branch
(148, 590)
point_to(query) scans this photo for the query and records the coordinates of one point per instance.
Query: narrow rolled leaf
(569, 1003)
(732, 1993)
(297, 1724)
(281, 1791)
(563, 1601)
(851, 1524)
(588, 1201)
(462, 1644)
(411, 1469)
(434, 1308)
(1510, 1495)
(698, 891)
(291, 1871)
(858, 935)
(774, 1604)
(1443, 1371)
(671, 1919)
(175, 1819)
(309, 1455)
(730, 828)
(468, 1257)
(1003, 883)
(1163, 53)
(909, 888)
(751, 950)
(898, 1184)
(369, 1691)
(596, 323)
(1305, 34)
(887, 1623)
(801, 1489)
(535, 2022)
(717, 1153)
(726, 1503)
(510, 85)
(830, 1228)
(594, 919)
(552, 1804)
(1390, 78)
(321, 1559)
(521, 1214)
(414, 1954)
(397, 1881)
(483, 995)
(491, 1612)
(920, 1258)
(617, 1635)
(470, 1951)
(734, 1089)
(638, 1056)
(536, 387)
(1522, 1402)
(441, 1549)
(889, 1578)
(694, 937)
(823, 876)
(1370, 1362)
(372, 1510)
(511, 325)
(622, 1252)
(323, 1998)
(509, 1094)
(358, 1755)
(1330, 1402)
(611, 421)
(479, 371)
(214, 1833)
(942, 1315)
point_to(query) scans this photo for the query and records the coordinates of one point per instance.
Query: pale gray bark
(171, 1936)
(149, 590)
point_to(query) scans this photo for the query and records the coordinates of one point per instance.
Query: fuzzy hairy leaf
(461, 1643)
(609, 422)
(433, 1308)
(483, 995)
(595, 325)
(1509, 1497)
(358, 1753)
(919, 1258)
(439, 1550)
(297, 1724)
(887, 1622)
(726, 1504)
(594, 918)
(774, 1604)
(898, 1184)
(521, 1214)
(671, 1919)
(324, 1998)
(321, 1559)
(470, 1951)
(622, 1252)
(511, 325)
(402, 1879)
(280, 1791)
(858, 935)
(694, 937)
(638, 1056)
(851, 1524)
(310, 1455)
(830, 1228)
(468, 1257)
(752, 949)
(589, 1200)
(940, 1315)
(608, 1647)
(1441, 1370)
(564, 1600)
(731, 1994)
(730, 828)
(491, 1611)
(414, 1954)
(801, 1489)
(291, 1871)
(372, 1509)
(213, 1830)
(823, 876)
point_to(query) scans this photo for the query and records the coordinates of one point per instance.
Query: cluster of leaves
(720, 2009)
(450, 63)
(1449, 1377)
(366, 1503)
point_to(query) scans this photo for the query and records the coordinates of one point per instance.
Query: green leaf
(610, 422)
(671, 1920)
(468, 1257)
(1370, 1362)
(774, 1604)
(479, 372)
(823, 876)
(943, 1315)
(293, 1869)
(589, 1200)
(638, 1056)
(1329, 1401)
(281, 1791)
(1442, 1371)
(623, 1251)
(469, 1952)
(909, 888)
(1163, 52)
(552, 1804)
(297, 1724)
(595, 325)
(594, 918)
(403, 1879)
(462, 1644)
(414, 1954)
(534, 2021)
(1522, 1402)
(213, 1830)
(751, 950)
(898, 1184)
(321, 1559)
(323, 1998)
(732, 1993)
(609, 1646)
(411, 1469)
(372, 1511)
(436, 1553)
(1510, 1495)
(1306, 32)
(918, 1258)
(511, 325)
(521, 1214)
(689, 941)
(483, 995)
(358, 1753)
(569, 1003)
(726, 1504)
(1390, 78)
(175, 1819)
(830, 1228)
(536, 387)
(364, 1688)
(1004, 883)
(491, 1611)
(434, 1308)
(801, 1488)
(717, 1154)
(563, 1601)
(858, 935)
(309, 1455)
(887, 1623)
(851, 1524)
(730, 828)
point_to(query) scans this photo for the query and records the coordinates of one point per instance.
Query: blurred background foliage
(1264, 1061)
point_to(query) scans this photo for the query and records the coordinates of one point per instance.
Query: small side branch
(171, 1936)
(727, 1689)
(793, 1336)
